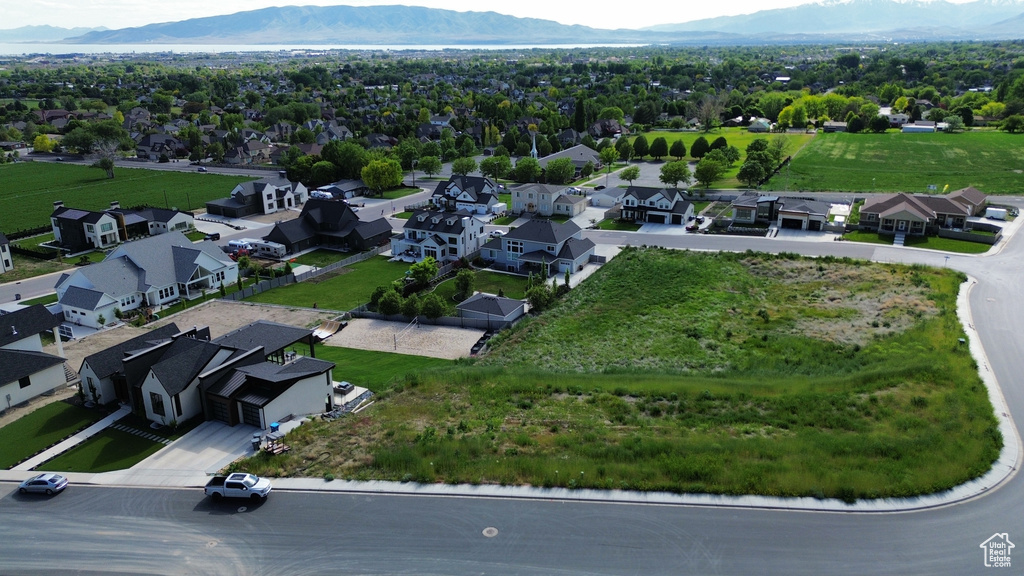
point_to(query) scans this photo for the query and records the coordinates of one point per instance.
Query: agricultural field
(30, 188)
(774, 375)
(992, 162)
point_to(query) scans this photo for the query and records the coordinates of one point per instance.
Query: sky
(594, 13)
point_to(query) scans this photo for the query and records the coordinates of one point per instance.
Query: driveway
(189, 460)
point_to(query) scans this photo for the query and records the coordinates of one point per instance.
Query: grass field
(377, 371)
(992, 162)
(108, 450)
(737, 137)
(30, 188)
(320, 257)
(41, 429)
(775, 375)
(344, 290)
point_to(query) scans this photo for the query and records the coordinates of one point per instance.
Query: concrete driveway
(189, 460)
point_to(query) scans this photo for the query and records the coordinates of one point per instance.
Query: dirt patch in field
(421, 340)
(851, 304)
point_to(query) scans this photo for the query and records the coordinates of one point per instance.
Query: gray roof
(17, 364)
(546, 231)
(152, 254)
(575, 247)
(83, 298)
(106, 362)
(117, 277)
(26, 322)
(806, 206)
(3, 239)
(437, 222)
(489, 304)
(270, 335)
(181, 362)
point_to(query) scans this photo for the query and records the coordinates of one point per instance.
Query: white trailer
(995, 213)
(266, 249)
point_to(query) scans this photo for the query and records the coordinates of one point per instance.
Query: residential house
(916, 215)
(570, 205)
(760, 125)
(541, 246)
(83, 230)
(609, 128)
(475, 194)
(25, 370)
(259, 197)
(444, 236)
(153, 146)
(145, 273)
(493, 308)
(790, 213)
(329, 223)
(580, 155)
(78, 230)
(607, 197)
(246, 376)
(343, 190)
(975, 200)
(250, 152)
(6, 262)
(833, 126)
(656, 206)
(896, 119)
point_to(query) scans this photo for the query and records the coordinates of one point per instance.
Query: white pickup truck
(238, 485)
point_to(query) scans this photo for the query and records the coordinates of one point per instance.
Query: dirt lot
(422, 340)
(221, 316)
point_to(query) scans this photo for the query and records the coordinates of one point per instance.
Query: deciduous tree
(382, 174)
(463, 166)
(630, 173)
(672, 173)
(560, 171)
(659, 148)
(678, 150)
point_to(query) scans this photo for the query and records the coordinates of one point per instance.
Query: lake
(24, 49)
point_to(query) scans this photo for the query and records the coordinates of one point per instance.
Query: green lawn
(400, 193)
(504, 220)
(109, 450)
(34, 242)
(41, 300)
(896, 162)
(775, 375)
(489, 282)
(320, 258)
(376, 371)
(41, 429)
(621, 225)
(339, 291)
(867, 237)
(30, 188)
(947, 244)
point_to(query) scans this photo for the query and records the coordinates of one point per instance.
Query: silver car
(44, 484)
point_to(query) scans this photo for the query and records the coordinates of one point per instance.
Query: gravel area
(423, 340)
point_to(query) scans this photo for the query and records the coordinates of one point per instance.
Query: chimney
(58, 204)
(115, 204)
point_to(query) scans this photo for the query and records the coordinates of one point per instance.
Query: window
(25, 382)
(515, 247)
(90, 228)
(157, 401)
(106, 227)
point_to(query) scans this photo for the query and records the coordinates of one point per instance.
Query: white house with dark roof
(541, 246)
(144, 273)
(79, 230)
(444, 236)
(656, 205)
(471, 193)
(25, 370)
(259, 197)
(246, 376)
(6, 262)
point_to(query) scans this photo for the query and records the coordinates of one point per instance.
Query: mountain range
(823, 21)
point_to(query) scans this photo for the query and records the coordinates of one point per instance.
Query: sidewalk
(73, 441)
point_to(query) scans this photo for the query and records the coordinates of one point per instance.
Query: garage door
(677, 218)
(814, 225)
(792, 224)
(251, 415)
(656, 218)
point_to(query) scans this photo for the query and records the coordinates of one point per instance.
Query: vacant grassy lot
(320, 258)
(343, 290)
(377, 371)
(42, 428)
(773, 375)
(30, 188)
(992, 162)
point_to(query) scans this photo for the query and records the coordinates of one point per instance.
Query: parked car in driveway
(44, 484)
(497, 233)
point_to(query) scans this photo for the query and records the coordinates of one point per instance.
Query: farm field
(776, 375)
(992, 162)
(30, 188)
